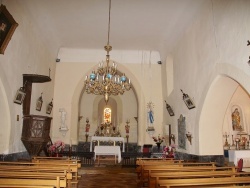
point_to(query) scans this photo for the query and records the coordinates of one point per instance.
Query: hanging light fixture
(106, 81)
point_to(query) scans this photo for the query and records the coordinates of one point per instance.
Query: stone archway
(212, 115)
(125, 107)
(215, 118)
(5, 121)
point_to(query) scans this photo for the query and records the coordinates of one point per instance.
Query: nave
(111, 176)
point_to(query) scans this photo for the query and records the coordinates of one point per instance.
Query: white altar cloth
(103, 138)
(235, 155)
(108, 150)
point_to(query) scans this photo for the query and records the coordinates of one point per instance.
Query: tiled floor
(110, 176)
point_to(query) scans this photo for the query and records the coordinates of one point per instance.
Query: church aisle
(107, 176)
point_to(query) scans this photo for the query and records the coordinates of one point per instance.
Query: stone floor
(107, 175)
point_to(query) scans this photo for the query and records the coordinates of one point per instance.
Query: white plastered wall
(25, 54)
(214, 46)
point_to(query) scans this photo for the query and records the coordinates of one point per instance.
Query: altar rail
(87, 158)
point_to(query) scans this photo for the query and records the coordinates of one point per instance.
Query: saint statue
(127, 128)
(236, 120)
(87, 128)
(151, 116)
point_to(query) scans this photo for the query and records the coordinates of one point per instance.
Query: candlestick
(233, 140)
(226, 142)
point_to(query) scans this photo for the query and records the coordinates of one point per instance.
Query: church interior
(93, 79)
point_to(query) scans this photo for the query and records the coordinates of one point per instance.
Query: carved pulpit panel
(35, 133)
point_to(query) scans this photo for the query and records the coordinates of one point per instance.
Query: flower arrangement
(168, 151)
(57, 147)
(158, 139)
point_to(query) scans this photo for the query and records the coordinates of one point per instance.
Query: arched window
(107, 115)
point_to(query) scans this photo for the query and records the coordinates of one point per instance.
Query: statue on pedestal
(236, 120)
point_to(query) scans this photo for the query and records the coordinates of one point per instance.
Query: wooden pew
(154, 159)
(162, 165)
(59, 160)
(56, 160)
(204, 182)
(155, 177)
(73, 167)
(33, 178)
(141, 163)
(188, 167)
(56, 179)
(26, 186)
(44, 167)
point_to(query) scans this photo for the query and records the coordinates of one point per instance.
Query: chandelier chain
(106, 81)
(109, 21)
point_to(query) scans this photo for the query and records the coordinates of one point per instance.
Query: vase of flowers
(158, 140)
(168, 151)
(56, 148)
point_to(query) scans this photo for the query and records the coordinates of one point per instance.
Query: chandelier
(105, 80)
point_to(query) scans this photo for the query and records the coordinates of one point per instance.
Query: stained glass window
(107, 115)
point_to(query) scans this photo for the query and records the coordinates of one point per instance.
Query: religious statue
(151, 116)
(150, 112)
(108, 127)
(127, 128)
(87, 126)
(236, 120)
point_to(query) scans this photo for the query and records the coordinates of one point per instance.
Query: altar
(103, 138)
(108, 150)
(235, 155)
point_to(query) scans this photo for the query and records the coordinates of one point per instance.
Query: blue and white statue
(151, 116)
(150, 119)
(150, 106)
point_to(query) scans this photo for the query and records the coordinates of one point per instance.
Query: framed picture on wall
(49, 107)
(39, 103)
(20, 95)
(170, 110)
(7, 28)
(188, 101)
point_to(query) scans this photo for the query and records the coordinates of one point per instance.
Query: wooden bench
(204, 182)
(27, 186)
(56, 160)
(143, 169)
(188, 167)
(61, 161)
(155, 177)
(71, 168)
(34, 178)
(142, 163)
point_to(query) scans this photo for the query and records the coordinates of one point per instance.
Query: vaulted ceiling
(155, 25)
